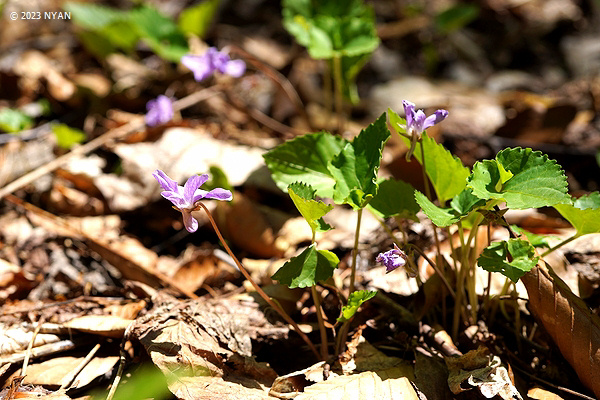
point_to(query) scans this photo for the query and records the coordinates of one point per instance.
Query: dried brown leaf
(203, 348)
(103, 325)
(14, 339)
(56, 371)
(569, 322)
(478, 368)
(366, 385)
(542, 394)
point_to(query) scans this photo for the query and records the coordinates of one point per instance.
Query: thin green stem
(436, 269)
(428, 194)
(340, 341)
(499, 303)
(460, 282)
(355, 251)
(567, 240)
(317, 301)
(486, 295)
(339, 99)
(258, 289)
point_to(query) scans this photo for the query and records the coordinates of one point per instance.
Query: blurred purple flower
(213, 60)
(392, 259)
(184, 198)
(160, 111)
(417, 122)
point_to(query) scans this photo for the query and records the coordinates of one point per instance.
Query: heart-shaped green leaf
(584, 214)
(312, 210)
(308, 268)
(305, 159)
(536, 181)
(395, 198)
(355, 300)
(494, 258)
(355, 167)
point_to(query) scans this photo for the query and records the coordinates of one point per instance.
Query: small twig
(117, 380)
(317, 301)
(355, 252)
(98, 246)
(113, 134)
(40, 351)
(73, 374)
(552, 385)
(30, 346)
(278, 78)
(264, 119)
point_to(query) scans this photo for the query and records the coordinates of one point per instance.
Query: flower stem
(261, 292)
(355, 252)
(428, 194)
(567, 240)
(317, 301)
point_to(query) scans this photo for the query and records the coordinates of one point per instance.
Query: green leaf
(14, 121)
(66, 136)
(121, 34)
(355, 167)
(312, 210)
(196, 20)
(494, 258)
(536, 240)
(355, 300)
(159, 32)
(351, 66)
(465, 202)
(536, 181)
(93, 16)
(445, 171)
(305, 159)
(584, 214)
(456, 17)
(441, 217)
(397, 122)
(395, 198)
(308, 268)
(331, 28)
(461, 205)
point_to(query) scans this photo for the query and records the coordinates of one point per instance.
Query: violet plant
(346, 172)
(187, 199)
(340, 32)
(160, 111)
(212, 61)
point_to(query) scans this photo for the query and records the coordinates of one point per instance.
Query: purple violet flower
(160, 111)
(213, 60)
(417, 122)
(392, 259)
(184, 198)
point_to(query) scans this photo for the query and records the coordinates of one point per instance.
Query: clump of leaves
(334, 30)
(106, 30)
